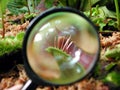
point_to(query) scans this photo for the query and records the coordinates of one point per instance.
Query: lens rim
(31, 74)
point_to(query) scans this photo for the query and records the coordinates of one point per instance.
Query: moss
(11, 44)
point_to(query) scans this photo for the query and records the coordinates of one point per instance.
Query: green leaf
(107, 12)
(29, 16)
(17, 6)
(112, 22)
(22, 6)
(101, 16)
(113, 52)
(57, 52)
(113, 77)
(20, 36)
(99, 22)
(49, 3)
(110, 66)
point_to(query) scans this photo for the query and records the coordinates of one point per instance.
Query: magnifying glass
(61, 47)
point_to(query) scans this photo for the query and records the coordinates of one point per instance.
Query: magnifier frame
(32, 75)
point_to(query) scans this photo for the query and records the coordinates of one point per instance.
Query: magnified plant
(64, 51)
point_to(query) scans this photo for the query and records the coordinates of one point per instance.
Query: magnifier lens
(62, 47)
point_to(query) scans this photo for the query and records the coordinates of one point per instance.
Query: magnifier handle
(29, 85)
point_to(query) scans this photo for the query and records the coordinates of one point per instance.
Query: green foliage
(10, 44)
(110, 66)
(19, 36)
(101, 16)
(113, 52)
(49, 3)
(84, 5)
(17, 6)
(113, 77)
(29, 16)
(112, 23)
(22, 6)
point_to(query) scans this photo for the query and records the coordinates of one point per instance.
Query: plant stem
(117, 14)
(28, 6)
(3, 27)
(33, 5)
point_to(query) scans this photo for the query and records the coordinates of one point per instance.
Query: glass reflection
(62, 50)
